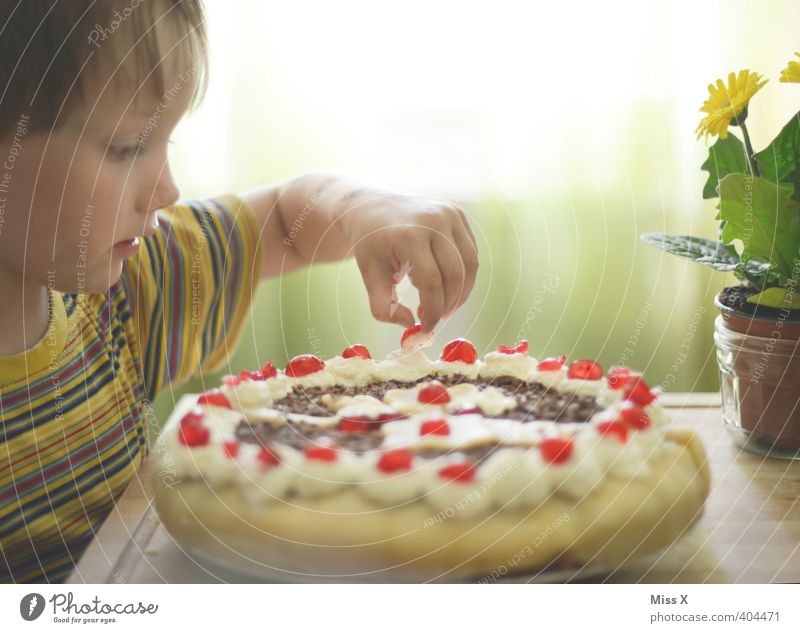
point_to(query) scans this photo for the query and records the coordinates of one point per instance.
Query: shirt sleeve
(190, 289)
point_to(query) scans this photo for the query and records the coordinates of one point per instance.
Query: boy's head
(90, 91)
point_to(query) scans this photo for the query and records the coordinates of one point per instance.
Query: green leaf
(782, 298)
(767, 221)
(779, 162)
(757, 268)
(710, 252)
(726, 156)
(759, 274)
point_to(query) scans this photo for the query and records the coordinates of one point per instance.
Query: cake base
(345, 537)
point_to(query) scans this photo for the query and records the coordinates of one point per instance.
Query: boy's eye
(124, 152)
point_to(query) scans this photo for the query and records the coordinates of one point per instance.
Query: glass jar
(759, 368)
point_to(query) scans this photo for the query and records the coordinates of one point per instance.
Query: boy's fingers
(469, 258)
(467, 228)
(382, 299)
(428, 281)
(451, 269)
(401, 315)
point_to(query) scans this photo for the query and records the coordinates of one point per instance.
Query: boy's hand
(393, 235)
(322, 217)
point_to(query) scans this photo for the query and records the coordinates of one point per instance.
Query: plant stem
(748, 150)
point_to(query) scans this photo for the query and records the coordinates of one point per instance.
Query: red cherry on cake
(520, 348)
(434, 427)
(460, 350)
(356, 351)
(304, 365)
(192, 432)
(615, 428)
(556, 450)
(357, 425)
(268, 370)
(460, 472)
(394, 460)
(585, 370)
(214, 398)
(618, 377)
(638, 392)
(231, 448)
(267, 457)
(390, 417)
(321, 453)
(411, 331)
(231, 380)
(634, 416)
(552, 364)
(434, 393)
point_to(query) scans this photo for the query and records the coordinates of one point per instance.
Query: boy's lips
(132, 241)
(127, 248)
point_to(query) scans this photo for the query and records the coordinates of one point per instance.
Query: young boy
(103, 300)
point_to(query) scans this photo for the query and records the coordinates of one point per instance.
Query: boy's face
(78, 196)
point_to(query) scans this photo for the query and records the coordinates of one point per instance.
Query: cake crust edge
(345, 536)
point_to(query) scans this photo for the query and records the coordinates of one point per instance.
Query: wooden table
(750, 532)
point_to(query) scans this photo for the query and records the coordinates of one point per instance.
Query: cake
(409, 469)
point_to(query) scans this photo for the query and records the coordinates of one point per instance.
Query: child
(104, 301)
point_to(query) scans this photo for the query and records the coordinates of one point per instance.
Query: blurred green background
(564, 130)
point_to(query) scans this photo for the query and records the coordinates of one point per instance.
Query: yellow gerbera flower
(791, 74)
(726, 103)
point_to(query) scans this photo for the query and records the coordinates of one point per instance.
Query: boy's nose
(167, 192)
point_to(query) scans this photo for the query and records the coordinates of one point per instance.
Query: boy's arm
(299, 223)
(322, 217)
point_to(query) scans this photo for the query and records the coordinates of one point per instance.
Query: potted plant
(757, 333)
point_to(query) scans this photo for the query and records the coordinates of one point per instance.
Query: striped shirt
(73, 408)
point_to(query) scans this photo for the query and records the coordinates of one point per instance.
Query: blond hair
(50, 51)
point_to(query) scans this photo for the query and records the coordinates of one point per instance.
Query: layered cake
(411, 469)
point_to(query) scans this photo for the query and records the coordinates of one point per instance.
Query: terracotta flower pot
(759, 367)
